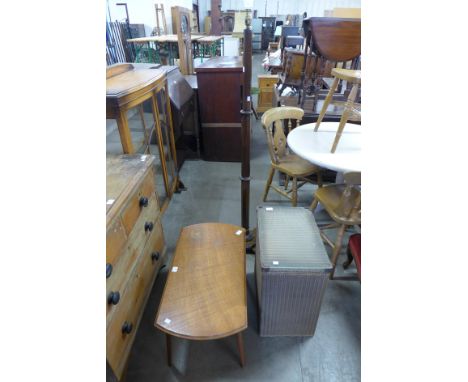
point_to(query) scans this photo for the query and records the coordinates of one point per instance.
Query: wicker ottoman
(291, 270)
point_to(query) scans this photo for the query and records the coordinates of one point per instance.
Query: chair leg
(348, 262)
(314, 204)
(337, 248)
(268, 183)
(319, 179)
(240, 347)
(286, 182)
(294, 192)
(327, 101)
(345, 116)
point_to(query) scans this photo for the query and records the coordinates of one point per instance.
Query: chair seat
(354, 247)
(294, 165)
(339, 208)
(353, 76)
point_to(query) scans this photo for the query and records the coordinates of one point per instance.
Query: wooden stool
(351, 76)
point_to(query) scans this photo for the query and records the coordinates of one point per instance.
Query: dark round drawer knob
(155, 256)
(148, 226)
(127, 327)
(113, 298)
(143, 201)
(108, 270)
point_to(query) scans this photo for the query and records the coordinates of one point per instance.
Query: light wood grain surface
(131, 80)
(163, 38)
(206, 297)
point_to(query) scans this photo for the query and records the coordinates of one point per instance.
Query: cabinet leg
(168, 350)
(240, 346)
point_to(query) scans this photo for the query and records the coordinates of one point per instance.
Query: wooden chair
(351, 110)
(343, 203)
(276, 122)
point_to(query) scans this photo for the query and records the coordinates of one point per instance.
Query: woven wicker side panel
(290, 302)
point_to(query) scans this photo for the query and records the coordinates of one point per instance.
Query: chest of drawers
(266, 84)
(135, 250)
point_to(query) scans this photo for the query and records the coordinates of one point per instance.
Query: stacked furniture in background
(330, 42)
(268, 31)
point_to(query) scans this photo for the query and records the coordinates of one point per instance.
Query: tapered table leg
(168, 350)
(240, 346)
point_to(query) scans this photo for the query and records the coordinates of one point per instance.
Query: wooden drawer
(125, 261)
(265, 101)
(132, 303)
(134, 207)
(115, 241)
(267, 81)
(155, 244)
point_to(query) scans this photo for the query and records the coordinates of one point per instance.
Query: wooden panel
(219, 97)
(222, 143)
(206, 297)
(181, 18)
(265, 101)
(123, 175)
(115, 241)
(133, 209)
(130, 308)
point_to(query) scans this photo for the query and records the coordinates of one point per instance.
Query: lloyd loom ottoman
(291, 270)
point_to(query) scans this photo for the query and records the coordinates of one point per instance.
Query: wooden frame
(181, 25)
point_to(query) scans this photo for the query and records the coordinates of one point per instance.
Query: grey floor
(213, 195)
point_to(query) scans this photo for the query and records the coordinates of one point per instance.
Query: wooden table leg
(124, 132)
(168, 350)
(240, 346)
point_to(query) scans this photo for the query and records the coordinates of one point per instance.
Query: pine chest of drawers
(266, 84)
(135, 250)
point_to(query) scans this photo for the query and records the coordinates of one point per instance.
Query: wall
(142, 11)
(285, 7)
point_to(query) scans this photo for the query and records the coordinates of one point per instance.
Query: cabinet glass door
(167, 138)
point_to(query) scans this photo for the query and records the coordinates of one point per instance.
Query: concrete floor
(213, 195)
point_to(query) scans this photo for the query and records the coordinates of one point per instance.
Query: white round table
(315, 146)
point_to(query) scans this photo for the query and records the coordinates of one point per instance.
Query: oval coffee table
(205, 295)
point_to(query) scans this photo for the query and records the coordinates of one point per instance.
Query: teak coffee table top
(206, 297)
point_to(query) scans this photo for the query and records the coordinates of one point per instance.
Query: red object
(354, 248)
